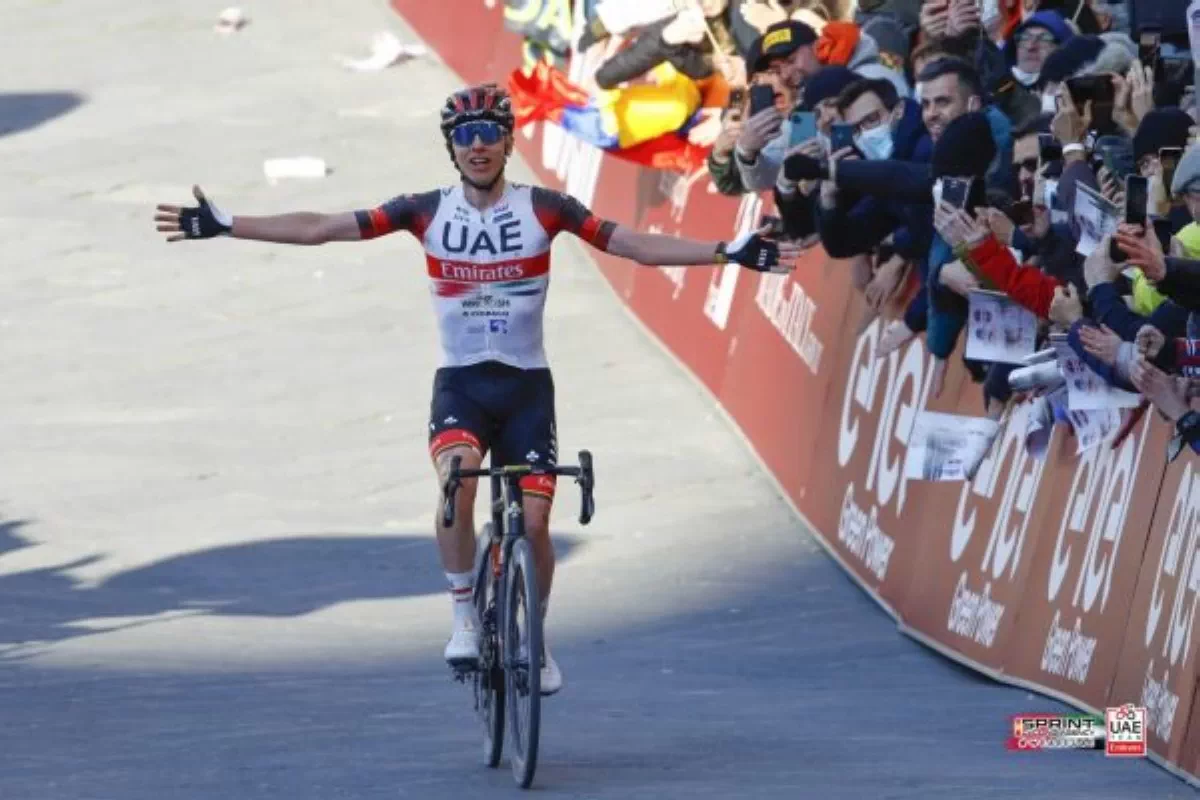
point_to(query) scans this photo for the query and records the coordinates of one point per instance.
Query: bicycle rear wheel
(489, 680)
(522, 641)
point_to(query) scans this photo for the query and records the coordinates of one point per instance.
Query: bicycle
(507, 600)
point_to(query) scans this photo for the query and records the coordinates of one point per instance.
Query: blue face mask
(876, 144)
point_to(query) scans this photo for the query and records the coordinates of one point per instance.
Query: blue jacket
(862, 219)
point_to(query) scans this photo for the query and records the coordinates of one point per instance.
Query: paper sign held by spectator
(1096, 216)
(1093, 427)
(998, 329)
(1087, 391)
(1039, 427)
(942, 445)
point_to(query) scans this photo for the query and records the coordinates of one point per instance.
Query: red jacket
(1025, 284)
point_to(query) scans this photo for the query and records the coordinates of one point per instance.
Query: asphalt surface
(217, 572)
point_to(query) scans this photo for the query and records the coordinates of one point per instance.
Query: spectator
(886, 127)
(1031, 43)
(796, 200)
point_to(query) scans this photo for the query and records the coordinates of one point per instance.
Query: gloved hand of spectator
(1150, 341)
(759, 129)
(799, 167)
(1099, 268)
(1144, 250)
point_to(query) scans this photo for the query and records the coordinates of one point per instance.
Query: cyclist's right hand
(203, 221)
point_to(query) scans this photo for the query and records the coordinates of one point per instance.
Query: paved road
(217, 576)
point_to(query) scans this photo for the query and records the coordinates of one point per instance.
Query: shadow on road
(273, 578)
(22, 111)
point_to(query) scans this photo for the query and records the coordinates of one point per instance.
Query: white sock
(460, 595)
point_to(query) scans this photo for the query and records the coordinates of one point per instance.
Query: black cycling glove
(799, 167)
(753, 252)
(204, 221)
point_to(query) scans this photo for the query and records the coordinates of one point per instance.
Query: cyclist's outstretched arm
(205, 221)
(406, 212)
(560, 212)
(656, 249)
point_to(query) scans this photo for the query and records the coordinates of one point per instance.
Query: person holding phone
(810, 128)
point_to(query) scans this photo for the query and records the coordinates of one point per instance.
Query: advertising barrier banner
(1074, 573)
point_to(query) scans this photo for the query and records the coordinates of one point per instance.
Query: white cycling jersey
(489, 270)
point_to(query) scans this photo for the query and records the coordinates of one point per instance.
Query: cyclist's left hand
(755, 251)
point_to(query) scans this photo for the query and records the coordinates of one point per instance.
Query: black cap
(779, 40)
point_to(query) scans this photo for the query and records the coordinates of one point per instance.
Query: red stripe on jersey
(468, 272)
(380, 224)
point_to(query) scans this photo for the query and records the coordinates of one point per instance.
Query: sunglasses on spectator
(487, 131)
(1040, 37)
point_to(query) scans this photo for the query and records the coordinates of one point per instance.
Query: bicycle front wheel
(489, 680)
(523, 662)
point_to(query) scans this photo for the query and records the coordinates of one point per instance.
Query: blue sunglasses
(488, 132)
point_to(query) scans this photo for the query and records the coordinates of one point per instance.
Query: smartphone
(1137, 191)
(762, 97)
(841, 135)
(1020, 212)
(803, 127)
(1149, 40)
(1137, 195)
(1096, 88)
(1048, 148)
(1118, 161)
(957, 191)
(1169, 157)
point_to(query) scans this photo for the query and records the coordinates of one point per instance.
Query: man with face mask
(1031, 43)
(886, 127)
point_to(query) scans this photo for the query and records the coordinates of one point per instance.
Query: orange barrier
(1075, 576)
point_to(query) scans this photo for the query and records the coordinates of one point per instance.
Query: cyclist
(487, 253)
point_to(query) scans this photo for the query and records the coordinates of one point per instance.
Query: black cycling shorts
(494, 407)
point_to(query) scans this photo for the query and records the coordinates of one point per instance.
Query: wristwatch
(1188, 427)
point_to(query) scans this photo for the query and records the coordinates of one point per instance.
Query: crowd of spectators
(1044, 150)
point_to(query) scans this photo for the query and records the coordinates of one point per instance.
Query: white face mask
(1025, 78)
(876, 144)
